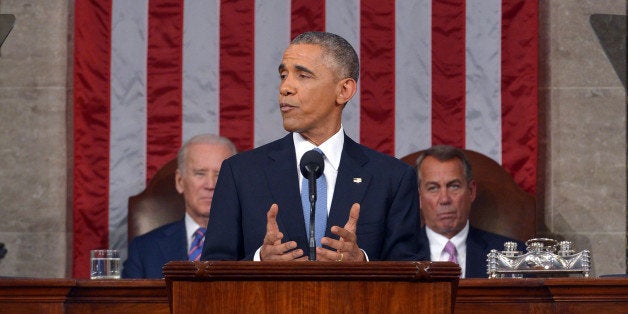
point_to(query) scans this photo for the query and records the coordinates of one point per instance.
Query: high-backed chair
(157, 205)
(500, 206)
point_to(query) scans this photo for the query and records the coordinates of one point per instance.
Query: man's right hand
(272, 248)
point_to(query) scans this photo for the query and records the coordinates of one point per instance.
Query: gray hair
(205, 139)
(445, 153)
(337, 51)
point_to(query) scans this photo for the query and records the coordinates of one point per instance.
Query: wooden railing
(529, 295)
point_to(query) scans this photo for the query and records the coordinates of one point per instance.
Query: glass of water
(104, 264)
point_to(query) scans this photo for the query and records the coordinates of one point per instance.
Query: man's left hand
(346, 248)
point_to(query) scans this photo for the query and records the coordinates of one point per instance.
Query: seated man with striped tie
(199, 161)
(446, 191)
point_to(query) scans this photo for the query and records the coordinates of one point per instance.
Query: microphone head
(312, 164)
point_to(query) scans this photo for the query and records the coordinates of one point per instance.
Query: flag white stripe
(127, 156)
(201, 98)
(483, 77)
(413, 85)
(342, 17)
(272, 35)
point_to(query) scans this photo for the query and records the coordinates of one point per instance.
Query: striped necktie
(197, 245)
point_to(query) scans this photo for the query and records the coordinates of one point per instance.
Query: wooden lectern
(311, 287)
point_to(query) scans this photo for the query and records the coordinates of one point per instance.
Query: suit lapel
(351, 184)
(476, 263)
(281, 175)
(424, 250)
(175, 241)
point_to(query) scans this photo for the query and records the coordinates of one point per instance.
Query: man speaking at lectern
(371, 199)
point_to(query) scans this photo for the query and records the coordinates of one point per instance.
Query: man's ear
(347, 88)
(473, 188)
(178, 181)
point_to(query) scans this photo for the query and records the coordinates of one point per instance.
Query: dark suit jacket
(250, 182)
(149, 252)
(479, 244)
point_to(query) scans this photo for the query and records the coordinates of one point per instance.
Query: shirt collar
(190, 226)
(439, 240)
(332, 147)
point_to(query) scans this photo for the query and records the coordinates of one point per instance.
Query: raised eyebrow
(431, 183)
(454, 182)
(299, 68)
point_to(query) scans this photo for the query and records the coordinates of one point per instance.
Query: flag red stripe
(91, 131)
(237, 37)
(448, 72)
(307, 15)
(377, 75)
(164, 82)
(519, 91)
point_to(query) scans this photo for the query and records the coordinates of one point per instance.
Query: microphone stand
(312, 166)
(312, 239)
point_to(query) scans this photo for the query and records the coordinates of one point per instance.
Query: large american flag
(149, 74)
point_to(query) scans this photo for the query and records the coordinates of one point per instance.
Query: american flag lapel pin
(357, 180)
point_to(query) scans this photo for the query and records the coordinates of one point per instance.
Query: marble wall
(582, 187)
(584, 126)
(34, 209)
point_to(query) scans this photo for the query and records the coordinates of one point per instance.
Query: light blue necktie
(320, 221)
(197, 245)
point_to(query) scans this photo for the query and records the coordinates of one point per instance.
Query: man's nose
(210, 182)
(444, 197)
(286, 88)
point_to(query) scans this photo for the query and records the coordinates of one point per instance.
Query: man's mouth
(447, 215)
(285, 107)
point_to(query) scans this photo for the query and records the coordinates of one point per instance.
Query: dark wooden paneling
(318, 287)
(118, 296)
(542, 295)
(31, 295)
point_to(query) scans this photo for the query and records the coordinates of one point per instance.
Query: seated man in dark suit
(446, 191)
(198, 164)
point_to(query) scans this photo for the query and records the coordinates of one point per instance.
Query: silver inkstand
(544, 258)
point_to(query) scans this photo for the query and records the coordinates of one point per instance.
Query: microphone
(312, 167)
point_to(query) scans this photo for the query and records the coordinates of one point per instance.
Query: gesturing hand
(272, 248)
(347, 246)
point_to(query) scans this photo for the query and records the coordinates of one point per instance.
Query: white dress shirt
(332, 149)
(437, 244)
(190, 228)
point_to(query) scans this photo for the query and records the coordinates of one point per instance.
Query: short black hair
(337, 48)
